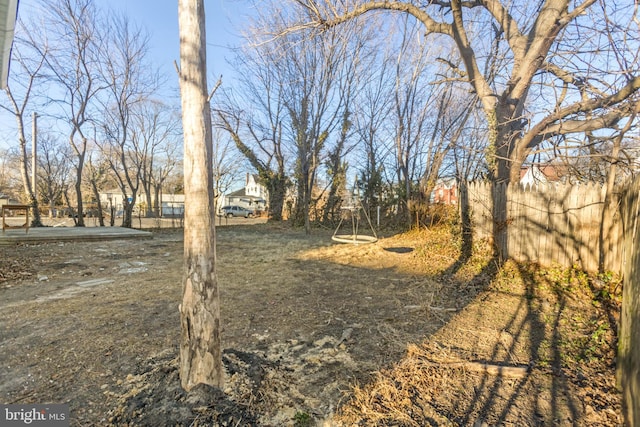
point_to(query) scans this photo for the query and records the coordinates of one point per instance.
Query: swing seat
(354, 238)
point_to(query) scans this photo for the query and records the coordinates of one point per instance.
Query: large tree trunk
(277, 186)
(127, 210)
(156, 201)
(200, 349)
(30, 192)
(505, 156)
(96, 194)
(78, 186)
(148, 211)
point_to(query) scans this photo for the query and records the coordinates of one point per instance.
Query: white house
(253, 196)
(112, 199)
(540, 174)
(171, 205)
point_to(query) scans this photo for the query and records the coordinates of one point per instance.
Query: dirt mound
(155, 397)
(289, 383)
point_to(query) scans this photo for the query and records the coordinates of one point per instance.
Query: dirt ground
(405, 331)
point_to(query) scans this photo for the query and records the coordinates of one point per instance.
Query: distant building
(541, 174)
(253, 196)
(445, 192)
(171, 205)
(6, 200)
(112, 199)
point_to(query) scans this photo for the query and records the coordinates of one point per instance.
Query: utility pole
(34, 162)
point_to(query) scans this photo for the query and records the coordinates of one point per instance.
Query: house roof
(548, 172)
(8, 14)
(240, 193)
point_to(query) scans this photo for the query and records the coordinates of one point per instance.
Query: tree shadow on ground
(548, 325)
(545, 381)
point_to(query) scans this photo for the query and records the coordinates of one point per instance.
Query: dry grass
(547, 326)
(407, 306)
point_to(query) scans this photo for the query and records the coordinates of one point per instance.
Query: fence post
(628, 368)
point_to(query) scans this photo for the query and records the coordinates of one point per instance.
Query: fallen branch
(451, 310)
(418, 307)
(491, 369)
(421, 354)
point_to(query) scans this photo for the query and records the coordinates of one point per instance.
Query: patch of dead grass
(548, 320)
(411, 303)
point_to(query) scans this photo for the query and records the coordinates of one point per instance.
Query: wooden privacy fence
(569, 225)
(551, 224)
(629, 335)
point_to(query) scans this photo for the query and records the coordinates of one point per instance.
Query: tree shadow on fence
(466, 244)
(539, 321)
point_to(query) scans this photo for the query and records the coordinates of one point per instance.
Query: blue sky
(224, 18)
(160, 18)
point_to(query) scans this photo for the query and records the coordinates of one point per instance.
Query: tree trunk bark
(156, 201)
(78, 186)
(96, 194)
(127, 211)
(277, 191)
(502, 166)
(200, 347)
(30, 192)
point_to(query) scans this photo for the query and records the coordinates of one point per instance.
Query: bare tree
(227, 163)
(262, 147)
(545, 46)
(10, 179)
(97, 176)
(200, 348)
(73, 65)
(54, 169)
(336, 166)
(155, 136)
(129, 80)
(19, 93)
(315, 105)
(372, 111)
(301, 78)
(351, 77)
(414, 102)
(254, 115)
(467, 156)
(165, 164)
(453, 114)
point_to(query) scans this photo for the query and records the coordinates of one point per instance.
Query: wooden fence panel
(575, 223)
(629, 337)
(563, 224)
(592, 224)
(553, 224)
(615, 248)
(556, 241)
(480, 207)
(517, 238)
